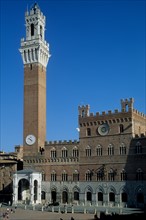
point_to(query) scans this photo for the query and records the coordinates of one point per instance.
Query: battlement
(139, 113)
(83, 106)
(127, 100)
(35, 10)
(116, 111)
(140, 136)
(56, 142)
(126, 106)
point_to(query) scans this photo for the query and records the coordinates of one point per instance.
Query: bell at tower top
(35, 23)
(35, 7)
(34, 48)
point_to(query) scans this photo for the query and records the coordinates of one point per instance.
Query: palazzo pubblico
(105, 167)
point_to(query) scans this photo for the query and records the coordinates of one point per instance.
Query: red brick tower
(35, 55)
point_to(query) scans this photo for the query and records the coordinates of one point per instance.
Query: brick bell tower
(35, 55)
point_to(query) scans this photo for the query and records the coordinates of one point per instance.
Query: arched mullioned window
(122, 149)
(53, 153)
(123, 175)
(111, 175)
(110, 149)
(99, 150)
(64, 176)
(88, 175)
(138, 148)
(100, 175)
(75, 152)
(53, 176)
(88, 151)
(76, 176)
(64, 152)
(88, 132)
(32, 29)
(139, 174)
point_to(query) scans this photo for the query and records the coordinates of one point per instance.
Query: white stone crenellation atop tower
(35, 48)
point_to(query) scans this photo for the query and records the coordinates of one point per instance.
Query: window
(53, 176)
(138, 148)
(64, 152)
(111, 175)
(122, 149)
(110, 150)
(53, 153)
(88, 175)
(75, 176)
(64, 176)
(75, 152)
(88, 132)
(121, 128)
(32, 29)
(100, 175)
(43, 195)
(99, 150)
(139, 174)
(88, 151)
(123, 175)
(43, 176)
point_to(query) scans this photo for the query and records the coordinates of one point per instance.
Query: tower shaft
(35, 55)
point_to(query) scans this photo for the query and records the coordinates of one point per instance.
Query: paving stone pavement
(21, 214)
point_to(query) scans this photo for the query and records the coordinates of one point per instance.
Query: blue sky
(97, 58)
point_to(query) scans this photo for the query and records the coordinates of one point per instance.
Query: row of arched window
(101, 175)
(99, 151)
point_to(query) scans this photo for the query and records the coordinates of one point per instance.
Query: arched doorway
(89, 196)
(23, 190)
(35, 190)
(100, 197)
(76, 196)
(124, 197)
(53, 196)
(140, 200)
(112, 197)
(43, 195)
(64, 196)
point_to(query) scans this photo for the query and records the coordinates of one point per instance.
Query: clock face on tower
(30, 139)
